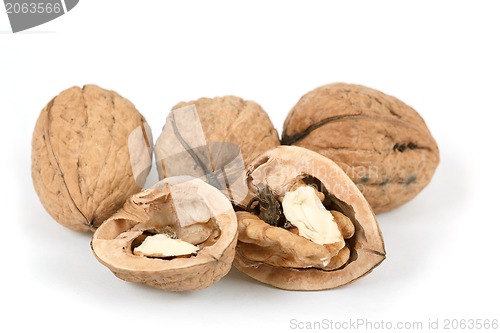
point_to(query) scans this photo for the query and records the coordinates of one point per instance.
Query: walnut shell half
(185, 208)
(380, 142)
(91, 150)
(277, 255)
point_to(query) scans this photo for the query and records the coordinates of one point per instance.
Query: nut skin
(235, 120)
(81, 155)
(382, 144)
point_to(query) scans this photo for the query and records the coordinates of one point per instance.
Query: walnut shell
(90, 151)
(227, 119)
(188, 208)
(279, 257)
(380, 142)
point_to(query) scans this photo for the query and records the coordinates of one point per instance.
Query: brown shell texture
(380, 142)
(154, 209)
(90, 151)
(234, 120)
(277, 256)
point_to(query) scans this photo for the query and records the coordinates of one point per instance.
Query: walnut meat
(380, 142)
(179, 235)
(90, 151)
(305, 225)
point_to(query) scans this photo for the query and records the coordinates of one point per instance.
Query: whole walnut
(90, 151)
(227, 119)
(382, 144)
(213, 139)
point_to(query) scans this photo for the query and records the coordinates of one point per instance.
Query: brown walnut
(272, 249)
(226, 119)
(380, 142)
(185, 209)
(90, 151)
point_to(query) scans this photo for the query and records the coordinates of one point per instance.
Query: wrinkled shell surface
(280, 258)
(90, 151)
(164, 206)
(380, 142)
(229, 119)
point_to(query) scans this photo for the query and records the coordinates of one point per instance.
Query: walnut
(291, 237)
(381, 143)
(218, 120)
(179, 235)
(90, 151)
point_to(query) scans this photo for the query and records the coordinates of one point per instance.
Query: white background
(442, 58)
